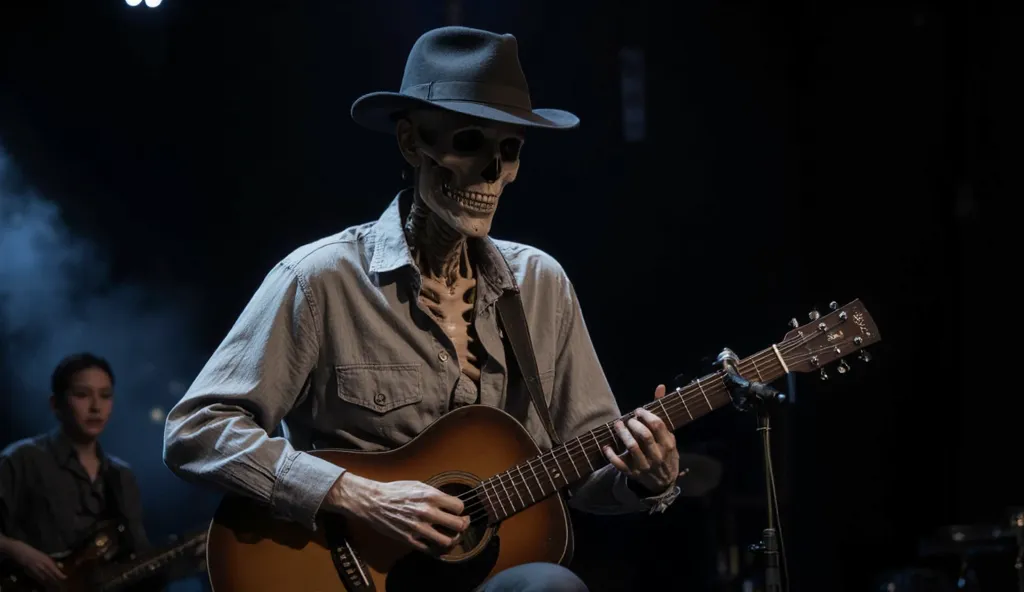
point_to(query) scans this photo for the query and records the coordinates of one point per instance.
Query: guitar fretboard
(148, 565)
(532, 481)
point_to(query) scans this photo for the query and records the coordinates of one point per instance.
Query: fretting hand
(651, 458)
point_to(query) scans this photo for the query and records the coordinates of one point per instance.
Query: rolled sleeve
(219, 432)
(302, 486)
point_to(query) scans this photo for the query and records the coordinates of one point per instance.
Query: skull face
(464, 165)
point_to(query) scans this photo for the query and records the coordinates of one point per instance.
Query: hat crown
(465, 55)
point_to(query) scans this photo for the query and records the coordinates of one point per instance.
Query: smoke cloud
(56, 298)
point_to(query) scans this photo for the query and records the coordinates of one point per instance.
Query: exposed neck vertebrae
(439, 250)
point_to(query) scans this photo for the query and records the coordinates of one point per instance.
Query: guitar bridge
(352, 570)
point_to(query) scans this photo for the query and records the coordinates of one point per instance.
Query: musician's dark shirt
(48, 501)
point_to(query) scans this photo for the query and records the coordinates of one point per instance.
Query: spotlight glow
(153, 3)
(133, 2)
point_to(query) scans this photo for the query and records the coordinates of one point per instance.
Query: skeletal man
(351, 338)
(462, 167)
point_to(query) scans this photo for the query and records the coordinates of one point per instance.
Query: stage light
(153, 3)
(133, 2)
(156, 415)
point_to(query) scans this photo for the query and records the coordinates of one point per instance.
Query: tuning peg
(864, 356)
(824, 375)
(794, 323)
(833, 305)
(843, 367)
(814, 315)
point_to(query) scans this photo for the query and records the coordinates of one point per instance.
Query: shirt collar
(391, 251)
(65, 451)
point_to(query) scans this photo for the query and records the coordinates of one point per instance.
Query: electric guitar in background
(93, 567)
(508, 486)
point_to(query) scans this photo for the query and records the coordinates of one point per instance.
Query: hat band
(504, 96)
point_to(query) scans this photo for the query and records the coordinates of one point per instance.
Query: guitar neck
(564, 465)
(121, 576)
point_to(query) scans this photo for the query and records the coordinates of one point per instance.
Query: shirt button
(380, 399)
(443, 356)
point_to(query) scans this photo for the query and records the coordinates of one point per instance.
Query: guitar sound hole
(475, 533)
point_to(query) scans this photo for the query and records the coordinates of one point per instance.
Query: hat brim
(375, 111)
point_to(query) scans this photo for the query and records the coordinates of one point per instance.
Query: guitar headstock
(845, 330)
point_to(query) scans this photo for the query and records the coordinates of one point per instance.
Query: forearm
(219, 444)
(7, 545)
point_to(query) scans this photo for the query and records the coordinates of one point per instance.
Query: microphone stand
(751, 395)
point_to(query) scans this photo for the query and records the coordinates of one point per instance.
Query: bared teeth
(471, 199)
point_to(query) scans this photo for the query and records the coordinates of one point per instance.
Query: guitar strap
(513, 318)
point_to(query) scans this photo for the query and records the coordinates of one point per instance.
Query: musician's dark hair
(66, 369)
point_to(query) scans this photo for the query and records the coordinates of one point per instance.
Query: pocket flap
(379, 387)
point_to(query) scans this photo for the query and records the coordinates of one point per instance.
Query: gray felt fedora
(465, 70)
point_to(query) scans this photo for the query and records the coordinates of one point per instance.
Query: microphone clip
(746, 394)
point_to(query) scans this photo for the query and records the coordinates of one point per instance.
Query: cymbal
(699, 474)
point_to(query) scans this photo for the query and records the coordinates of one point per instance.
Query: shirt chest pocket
(381, 400)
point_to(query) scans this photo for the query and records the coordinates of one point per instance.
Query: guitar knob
(833, 305)
(864, 356)
(814, 315)
(824, 375)
(843, 367)
(793, 323)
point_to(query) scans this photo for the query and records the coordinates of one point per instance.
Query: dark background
(794, 154)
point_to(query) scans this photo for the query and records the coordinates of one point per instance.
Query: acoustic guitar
(94, 566)
(508, 486)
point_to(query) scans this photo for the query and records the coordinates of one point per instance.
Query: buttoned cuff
(660, 503)
(301, 487)
(655, 503)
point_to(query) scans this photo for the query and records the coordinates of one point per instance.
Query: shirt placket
(444, 359)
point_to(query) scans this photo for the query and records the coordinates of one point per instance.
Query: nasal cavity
(492, 171)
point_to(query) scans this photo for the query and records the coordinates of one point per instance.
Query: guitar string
(478, 507)
(717, 390)
(478, 502)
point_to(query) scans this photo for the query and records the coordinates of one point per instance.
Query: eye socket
(510, 148)
(468, 140)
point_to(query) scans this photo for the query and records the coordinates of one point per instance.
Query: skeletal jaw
(472, 200)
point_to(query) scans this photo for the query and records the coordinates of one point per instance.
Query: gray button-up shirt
(48, 501)
(334, 344)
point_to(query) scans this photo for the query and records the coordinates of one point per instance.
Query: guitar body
(251, 550)
(80, 567)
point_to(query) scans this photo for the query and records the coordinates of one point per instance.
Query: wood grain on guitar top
(250, 550)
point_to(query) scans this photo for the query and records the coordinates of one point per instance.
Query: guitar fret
(557, 466)
(548, 473)
(512, 481)
(667, 416)
(586, 455)
(682, 398)
(597, 442)
(569, 454)
(489, 502)
(701, 387)
(526, 483)
(756, 369)
(498, 497)
(502, 482)
(534, 471)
